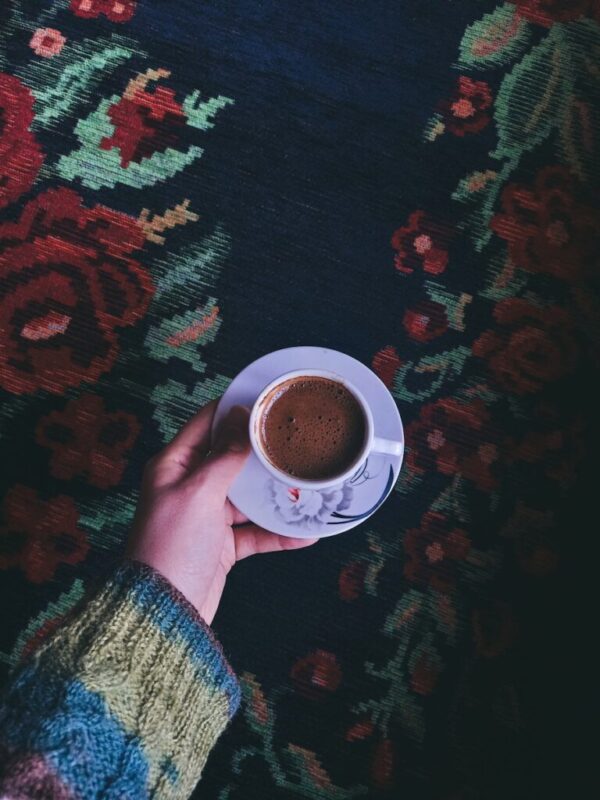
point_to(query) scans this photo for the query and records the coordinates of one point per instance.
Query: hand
(185, 527)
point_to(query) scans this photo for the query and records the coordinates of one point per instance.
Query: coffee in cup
(311, 427)
(336, 425)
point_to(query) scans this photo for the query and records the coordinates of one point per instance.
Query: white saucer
(304, 513)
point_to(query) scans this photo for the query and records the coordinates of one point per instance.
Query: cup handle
(388, 446)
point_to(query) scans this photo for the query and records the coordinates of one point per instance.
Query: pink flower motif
(114, 10)
(308, 508)
(47, 42)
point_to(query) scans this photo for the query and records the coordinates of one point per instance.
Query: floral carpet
(187, 186)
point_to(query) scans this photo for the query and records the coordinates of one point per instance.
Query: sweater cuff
(175, 617)
(134, 678)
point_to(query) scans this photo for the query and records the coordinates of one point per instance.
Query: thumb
(229, 451)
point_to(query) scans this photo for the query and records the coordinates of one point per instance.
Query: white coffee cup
(371, 444)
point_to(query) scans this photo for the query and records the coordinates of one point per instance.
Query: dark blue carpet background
(311, 170)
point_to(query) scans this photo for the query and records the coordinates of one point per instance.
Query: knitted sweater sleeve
(125, 700)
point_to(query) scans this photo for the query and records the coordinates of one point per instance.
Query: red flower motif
(67, 284)
(316, 674)
(145, 123)
(547, 229)
(453, 437)
(421, 245)
(88, 440)
(434, 551)
(115, 10)
(362, 729)
(466, 110)
(20, 154)
(556, 447)
(38, 535)
(547, 12)
(426, 321)
(47, 42)
(351, 580)
(533, 347)
(385, 365)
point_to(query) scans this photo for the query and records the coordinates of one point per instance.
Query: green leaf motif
(181, 276)
(455, 304)
(174, 404)
(495, 39)
(256, 706)
(406, 614)
(183, 334)
(57, 608)
(85, 63)
(434, 128)
(200, 114)
(531, 100)
(107, 521)
(475, 186)
(580, 128)
(504, 278)
(452, 501)
(428, 374)
(97, 168)
(182, 279)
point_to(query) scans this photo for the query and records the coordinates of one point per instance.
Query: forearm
(125, 701)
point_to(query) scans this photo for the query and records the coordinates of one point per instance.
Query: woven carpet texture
(187, 186)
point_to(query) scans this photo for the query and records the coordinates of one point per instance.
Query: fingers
(192, 441)
(228, 456)
(252, 539)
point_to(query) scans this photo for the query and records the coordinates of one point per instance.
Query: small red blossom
(421, 245)
(86, 439)
(434, 551)
(145, 123)
(362, 729)
(47, 42)
(115, 10)
(466, 111)
(39, 535)
(426, 321)
(385, 364)
(316, 674)
(352, 579)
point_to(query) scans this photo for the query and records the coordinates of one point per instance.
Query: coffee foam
(312, 427)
